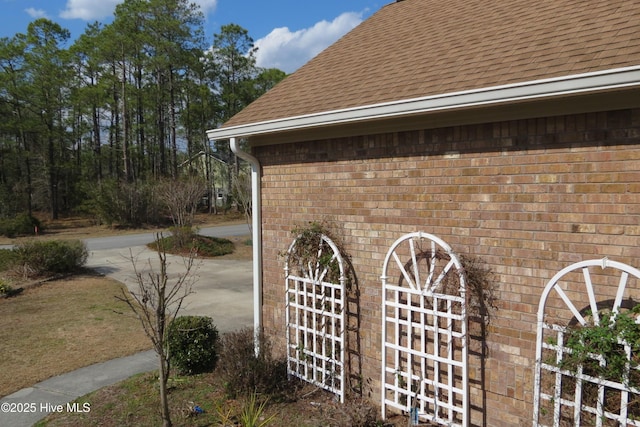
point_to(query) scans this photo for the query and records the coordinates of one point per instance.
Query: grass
(83, 228)
(134, 402)
(78, 321)
(66, 324)
(61, 326)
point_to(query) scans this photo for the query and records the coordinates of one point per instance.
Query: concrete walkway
(223, 290)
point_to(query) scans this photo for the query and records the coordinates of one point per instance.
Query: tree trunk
(114, 129)
(126, 162)
(97, 157)
(160, 125)
(144, 164)
(164, 398)
(172, 122)
(27, 162)
(53, 176)
(161, 341)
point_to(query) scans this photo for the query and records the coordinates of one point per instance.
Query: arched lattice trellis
(315, 312)
(588, 298)
(424, 331)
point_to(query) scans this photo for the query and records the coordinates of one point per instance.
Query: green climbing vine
(319, 274)
(600, 348)
(310, 251)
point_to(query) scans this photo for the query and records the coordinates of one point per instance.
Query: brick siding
(528, 197)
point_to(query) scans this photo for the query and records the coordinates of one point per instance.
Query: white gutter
(559, 86)
(256, 238)
(531, 90)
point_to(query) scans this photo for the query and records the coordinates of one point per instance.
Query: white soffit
(561, 86)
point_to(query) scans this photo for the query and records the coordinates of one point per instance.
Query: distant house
(508, 129)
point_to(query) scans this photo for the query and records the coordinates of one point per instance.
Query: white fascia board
(561, 86)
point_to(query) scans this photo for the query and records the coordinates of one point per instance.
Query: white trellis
(578, 296)
(315, 315)
(424, 331)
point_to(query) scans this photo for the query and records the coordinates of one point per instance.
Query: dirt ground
(76, 227)
(77, 316)
(312, 407)
(62, 325)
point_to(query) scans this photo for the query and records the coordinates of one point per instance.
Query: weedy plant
(225, 416)
(252, 413)
(5, 288)
(600, 348)
(244, 372)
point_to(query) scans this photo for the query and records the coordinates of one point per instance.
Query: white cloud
(36, 13)
(90, 10)
(207, 6)
(288, 50)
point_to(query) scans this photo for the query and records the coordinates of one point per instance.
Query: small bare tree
(155, 303)
(181, 197)
(241, 187)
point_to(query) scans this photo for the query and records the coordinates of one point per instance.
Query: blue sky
(287, 32)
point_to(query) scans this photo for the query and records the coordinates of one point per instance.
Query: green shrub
(182, 237)
(38, 257)
(8, 258)
(243, 372)
(5, 288)
(182, 240)
(126, 204)
(193, 344)
(21, 225)
(213, 246)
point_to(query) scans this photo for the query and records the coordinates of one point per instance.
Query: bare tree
(155, 303)
(181, 198)
(241, 187)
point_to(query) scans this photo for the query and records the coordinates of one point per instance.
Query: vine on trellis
(305, 253)
(599, 347)
(320, 278)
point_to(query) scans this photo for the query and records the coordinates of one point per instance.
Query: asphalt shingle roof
(417, 48)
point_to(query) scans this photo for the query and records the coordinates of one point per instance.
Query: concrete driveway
(222, 289)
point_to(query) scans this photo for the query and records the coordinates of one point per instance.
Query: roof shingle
(418, 48)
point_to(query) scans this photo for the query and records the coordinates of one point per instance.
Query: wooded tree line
(122, 106)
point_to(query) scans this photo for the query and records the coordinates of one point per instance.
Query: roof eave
(546, 88)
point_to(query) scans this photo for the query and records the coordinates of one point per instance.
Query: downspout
(256, 238)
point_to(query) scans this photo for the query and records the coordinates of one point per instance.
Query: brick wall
(528, 197)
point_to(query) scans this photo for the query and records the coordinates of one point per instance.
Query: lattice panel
(315, 318)
(581, 394)
(424, 349)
